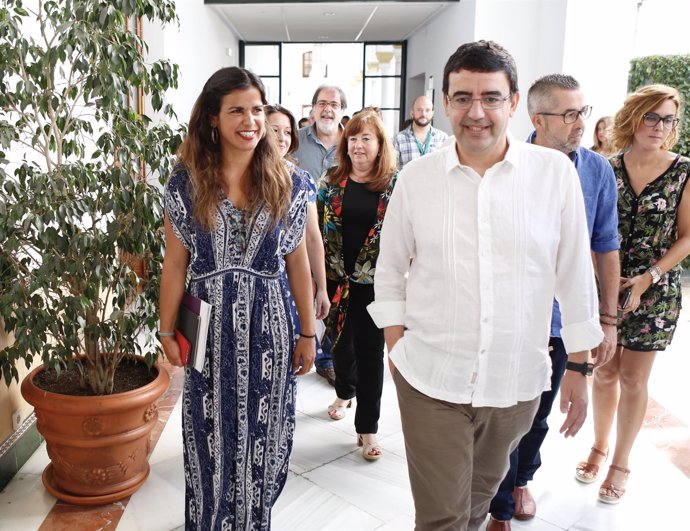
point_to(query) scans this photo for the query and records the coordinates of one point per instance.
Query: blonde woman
(654, 229)
(602, 142)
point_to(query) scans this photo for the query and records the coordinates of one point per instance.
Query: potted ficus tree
(78, 207)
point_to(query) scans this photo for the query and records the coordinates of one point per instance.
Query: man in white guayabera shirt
(478, 239)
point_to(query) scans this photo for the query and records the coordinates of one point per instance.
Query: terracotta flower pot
(98, 445)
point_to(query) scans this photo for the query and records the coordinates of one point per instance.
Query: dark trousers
(525, 460)
(358, 360)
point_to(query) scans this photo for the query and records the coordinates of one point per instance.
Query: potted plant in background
(75, 207)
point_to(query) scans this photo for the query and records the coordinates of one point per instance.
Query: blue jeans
(525, 459)
(324, 358)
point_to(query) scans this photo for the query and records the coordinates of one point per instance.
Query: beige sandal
(338, 412)
(370, 452)
(587, 472)
(610, 492)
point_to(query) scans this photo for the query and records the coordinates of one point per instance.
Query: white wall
(429, 48)
(598, 50)
(199, 46)
(531, 30)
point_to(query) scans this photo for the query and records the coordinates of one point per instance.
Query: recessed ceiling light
(324, 37)
(329, 14)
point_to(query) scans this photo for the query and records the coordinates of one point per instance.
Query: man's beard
(421, 122)
(327, 129)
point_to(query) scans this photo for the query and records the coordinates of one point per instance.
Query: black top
(359, 216)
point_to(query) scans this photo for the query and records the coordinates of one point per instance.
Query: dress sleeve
(178, 205)
(297, 212)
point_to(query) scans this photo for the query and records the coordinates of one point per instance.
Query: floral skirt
(652, 325)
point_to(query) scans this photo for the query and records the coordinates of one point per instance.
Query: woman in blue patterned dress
(234, 224)
(654, 228)
(284, 126)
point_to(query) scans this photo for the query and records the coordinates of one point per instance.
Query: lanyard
(425, 148)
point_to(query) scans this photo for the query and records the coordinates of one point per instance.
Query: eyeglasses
(322, 104)
(462, 101)
(570, 117)
(650, 119)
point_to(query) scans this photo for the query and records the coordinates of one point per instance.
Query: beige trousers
(457, 455)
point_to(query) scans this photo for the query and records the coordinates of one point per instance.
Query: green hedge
(672, 70)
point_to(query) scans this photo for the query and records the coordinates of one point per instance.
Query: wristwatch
(583, 368)
(655, 272)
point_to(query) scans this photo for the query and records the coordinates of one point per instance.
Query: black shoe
(327, 373)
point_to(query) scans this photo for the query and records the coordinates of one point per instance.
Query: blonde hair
(385, 166)
(637, 104)
(599, 146)
(269, 184)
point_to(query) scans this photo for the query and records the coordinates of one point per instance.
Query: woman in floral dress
(234, 221)
(352, 202)
(654, 228)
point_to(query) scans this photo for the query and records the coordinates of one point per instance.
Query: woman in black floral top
(654, 228)
(352, 202)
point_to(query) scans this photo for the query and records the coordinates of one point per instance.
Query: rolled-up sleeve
(575, 283)
(393, 264)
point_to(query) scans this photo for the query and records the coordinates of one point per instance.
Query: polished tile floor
(330, 486)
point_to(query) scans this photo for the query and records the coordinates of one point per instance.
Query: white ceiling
(327, 21)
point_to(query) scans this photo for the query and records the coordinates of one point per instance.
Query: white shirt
(470, 266)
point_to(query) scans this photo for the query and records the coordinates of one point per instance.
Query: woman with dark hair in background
(234, 222)
(352, 202)
(654, 228)
(282, 122)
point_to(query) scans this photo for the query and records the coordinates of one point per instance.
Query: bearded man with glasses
(556, 106)
(478, 238)
(316, 153)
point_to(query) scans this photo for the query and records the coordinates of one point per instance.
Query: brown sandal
(611, 493)
(587, 472)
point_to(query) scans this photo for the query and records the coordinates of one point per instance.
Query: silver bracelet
(166, 334)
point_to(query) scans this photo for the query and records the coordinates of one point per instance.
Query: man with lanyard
(420, 137)
(316, 153)
(557, 110)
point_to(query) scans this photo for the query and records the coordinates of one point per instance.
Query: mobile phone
(624, 298)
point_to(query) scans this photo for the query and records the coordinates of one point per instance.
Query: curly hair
(269, 184)
(637, 104)
(385, 166)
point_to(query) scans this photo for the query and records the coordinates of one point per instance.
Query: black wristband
(307, 336)
(583, 368)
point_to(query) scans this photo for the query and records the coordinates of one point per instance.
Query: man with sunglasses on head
(316, 153)
(556, 106)
(479, 237)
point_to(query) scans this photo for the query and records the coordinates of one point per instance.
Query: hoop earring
(214, 135)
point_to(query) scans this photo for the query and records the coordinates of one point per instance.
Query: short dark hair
(343, 99)
(539, 94)
(481, 56)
